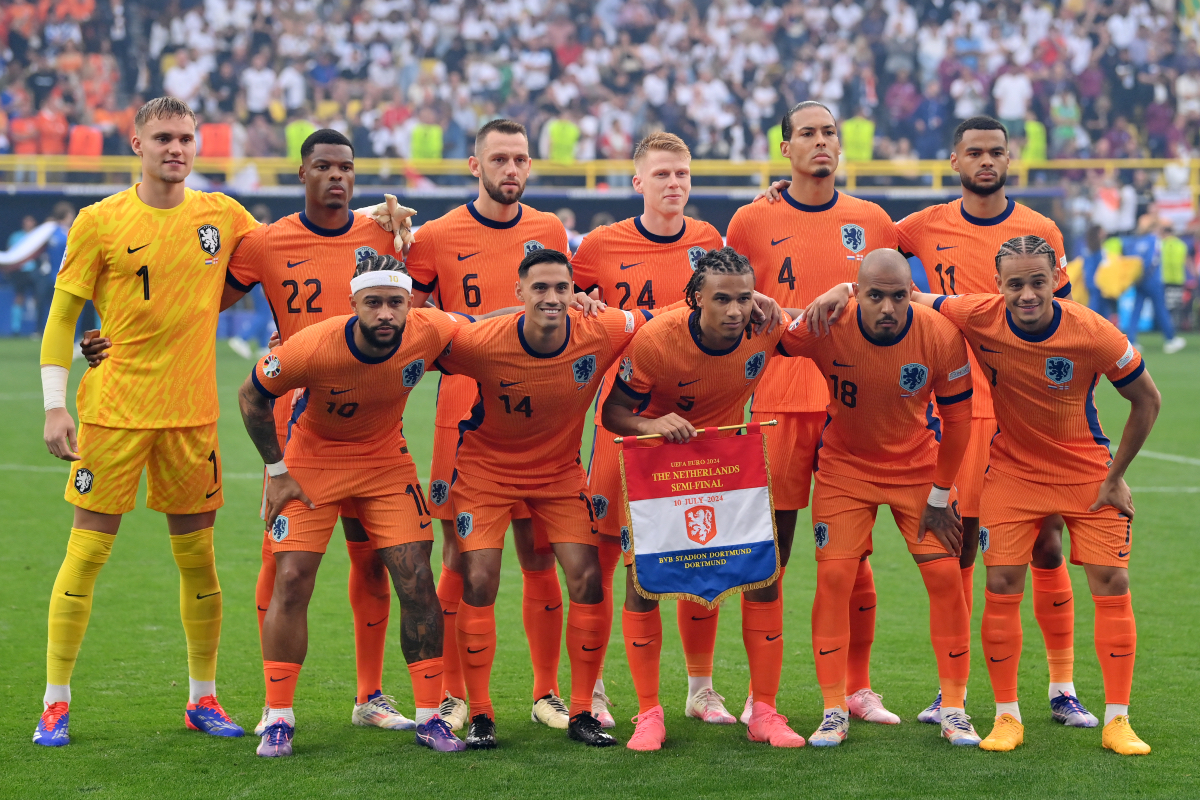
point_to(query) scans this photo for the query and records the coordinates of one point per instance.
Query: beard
(370, 334)
(984, 191)
(822, 172)
(496, 193)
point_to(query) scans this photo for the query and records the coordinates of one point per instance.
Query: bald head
(884, 286)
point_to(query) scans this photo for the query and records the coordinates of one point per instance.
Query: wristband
(939, 497)
(277, 469)
(54, 386)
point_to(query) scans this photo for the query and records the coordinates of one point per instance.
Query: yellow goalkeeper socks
(199, 601)
(71, 601)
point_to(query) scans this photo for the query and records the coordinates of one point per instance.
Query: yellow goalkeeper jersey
(156, 277)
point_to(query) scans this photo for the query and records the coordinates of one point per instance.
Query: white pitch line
(1195, 462)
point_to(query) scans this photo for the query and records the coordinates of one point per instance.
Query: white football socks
(1062, 688)
(600, 686)
(1009, 708)
(56, 693)
(198, 689)
(425, 714)
(1114, 710)
(285, 714)
(696, 684)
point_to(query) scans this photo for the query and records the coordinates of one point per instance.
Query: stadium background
(1103, 99)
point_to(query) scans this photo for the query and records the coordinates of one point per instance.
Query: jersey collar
(359, 354)
(907, 326)
(796, 204)
(637, 221)
(694, 329)
(1035, 337)
(535, 353)
(996, 220)
(491, 223)
(319, 231)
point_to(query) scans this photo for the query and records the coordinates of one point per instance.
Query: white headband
(383, 277)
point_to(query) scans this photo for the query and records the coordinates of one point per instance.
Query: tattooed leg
(420, 611)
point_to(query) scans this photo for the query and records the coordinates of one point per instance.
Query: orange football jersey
(799, 252)
(1043, 386)
(634, 268)
(468, 263)
(353, 403)
(881, 427)
(304, 270)
(958, 252)
(530, 407)
(670, 371)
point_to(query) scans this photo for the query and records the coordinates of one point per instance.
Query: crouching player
(537, 374)
(348, 445)
(887, 361)
(687, 369)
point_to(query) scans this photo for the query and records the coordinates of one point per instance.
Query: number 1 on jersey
(144, 274)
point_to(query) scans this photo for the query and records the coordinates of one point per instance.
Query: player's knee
(583, 583)
(1107, 581)
(1006, 580)
(293, 584)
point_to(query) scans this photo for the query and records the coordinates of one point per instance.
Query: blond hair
(660, 141)
(165, 107)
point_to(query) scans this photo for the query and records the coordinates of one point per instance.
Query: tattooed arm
(420, 611)
(260, 424)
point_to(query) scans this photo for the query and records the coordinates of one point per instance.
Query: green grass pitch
(130, 682)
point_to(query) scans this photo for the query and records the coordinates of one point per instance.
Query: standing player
(469, 257)
(305, 262)
(955, 242)
(801, 247)
(348, 447)
(883, 444)
(687, 369)
(151, 259)
(536, 375)
(644, 263)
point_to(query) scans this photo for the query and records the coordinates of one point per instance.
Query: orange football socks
(862, 629)
(1116, 645)
(371, 602)
(450, 592)
(968, 585)
(698, 632)
(266, 583)
(762, 634)
(949, 628)
(643, 648)
(1002, 639)
(831, 615)
(587, 638)
(426, 683)
(477, 652)
(281, 678)
(542, 611)
(1054, 608)
(610, 556)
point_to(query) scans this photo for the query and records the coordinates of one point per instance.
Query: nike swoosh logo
(587, 649)
(998, 660)
(506, 384)
(689, 383)
(989, 350)
(210, 494)
(1122, 655)
(445, 613)
(1063, 603)
(68, 594)
(277, 680)
(647, 644)
(260, 608)
(426, 524)
(373, 624)
(827, 652)
(836, 364)
(627, 266)
(959, 655)
(555, 608)
(132, 250)
(948, 247)
(340, 391)
(777, 241)
(473, 652)
(202, 596)
(698, 619)
(1122, 555)
(866, 608)
(431, 677)
(464, 258)
(773, 638)
(298, 263)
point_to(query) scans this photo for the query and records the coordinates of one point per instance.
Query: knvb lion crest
(363, 253)
(464, 523)
(854, 238)
(1060, 370)
(532, 245)
(279, 530)
(439, 492)
(600, 506)
(583, 369)
(984, 540)
(84, 478)
(626, 539)
(821, 535)
(210, 239)
(701, 524)
(414, 372)
(913, 377)
(694, 255)
(755, 364)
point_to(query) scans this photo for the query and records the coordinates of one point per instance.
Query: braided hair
(718, 261)
(1027, 246)
(380, 263)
